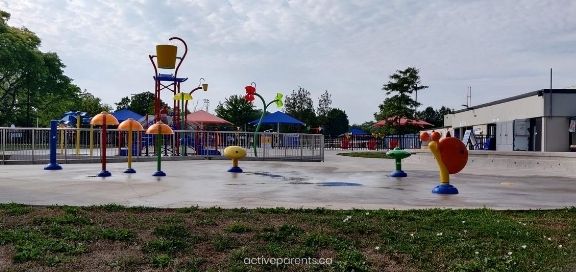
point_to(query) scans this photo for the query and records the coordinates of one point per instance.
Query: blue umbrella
(279, 118)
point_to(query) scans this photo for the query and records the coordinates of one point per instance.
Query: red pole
(104, 144)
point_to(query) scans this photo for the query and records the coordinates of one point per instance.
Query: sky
(350, 48)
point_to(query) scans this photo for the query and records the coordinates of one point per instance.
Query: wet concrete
(338, 183)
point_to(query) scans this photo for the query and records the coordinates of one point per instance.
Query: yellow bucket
(166, 54)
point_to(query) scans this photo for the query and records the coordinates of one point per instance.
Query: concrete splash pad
(338, 183)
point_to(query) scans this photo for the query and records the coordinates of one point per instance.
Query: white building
(542, 120)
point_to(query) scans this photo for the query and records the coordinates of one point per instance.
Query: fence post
(53, 165)
(33, 145)
(65, 145)
(321, 147)
(301, 141)
(3, 146)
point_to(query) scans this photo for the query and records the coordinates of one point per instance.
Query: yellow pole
(444, 176)
(235, 162)
(130, 146)
(91, 139)
(77, 134)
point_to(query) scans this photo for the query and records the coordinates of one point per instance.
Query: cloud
(500, 48)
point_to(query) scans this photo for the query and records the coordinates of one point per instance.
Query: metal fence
(362, 142)
(31, 145)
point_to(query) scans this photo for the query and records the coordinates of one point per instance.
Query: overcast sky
(500, 48)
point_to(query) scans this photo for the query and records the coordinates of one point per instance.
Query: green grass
(373, 154)
(111, 237)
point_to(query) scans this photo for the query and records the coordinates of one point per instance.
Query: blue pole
(53, 165)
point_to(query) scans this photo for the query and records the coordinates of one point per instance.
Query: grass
(112, 237)
(373, 154)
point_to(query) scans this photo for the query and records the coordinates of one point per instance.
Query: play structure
(167, 58)
(104, 119)
(235, 153)
(159, 129)
(398, 155)
(450, 154)
(250, 93)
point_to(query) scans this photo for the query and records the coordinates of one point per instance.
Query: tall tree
(336, 122)
(143, 103)
(324, 104)
(299, 104)
(33, 86)
(91, 104)
(434, 117)
(400, 104)
(237, 110)
(124, 103)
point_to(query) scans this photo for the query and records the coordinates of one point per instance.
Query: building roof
(533, 93)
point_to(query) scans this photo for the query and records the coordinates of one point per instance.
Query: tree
(32, 83)
(336, 122)
(434, 117)
(399, 104)
(91, 104)
(123, 104)
(143, 103)
(324, 103)
(299, 105)
(237, 110)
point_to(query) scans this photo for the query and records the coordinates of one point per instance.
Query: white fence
(31, 145)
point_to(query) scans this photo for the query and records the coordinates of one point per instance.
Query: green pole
(398, 164)
(259, 122)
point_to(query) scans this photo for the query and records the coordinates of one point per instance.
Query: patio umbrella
(278, 118)
(202, 117)
(104, 119)
(159, 129)
(130, 125)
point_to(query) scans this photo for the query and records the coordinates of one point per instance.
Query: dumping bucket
(166, 54)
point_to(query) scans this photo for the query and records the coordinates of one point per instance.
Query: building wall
(505, 136)
(564, 104)
(556, 136)
(528, 107)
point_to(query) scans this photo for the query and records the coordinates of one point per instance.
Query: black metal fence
(364, 142)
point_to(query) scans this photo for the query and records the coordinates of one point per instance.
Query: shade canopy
(279, 118)
(357, 131)
(402, 122)
(130, 124)
(203, 117)
(159, 128)
(125, 114)
(183, 96)
(98, 120)
(69, 118)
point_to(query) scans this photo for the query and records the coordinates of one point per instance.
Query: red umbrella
(201, 117)
(402, 122)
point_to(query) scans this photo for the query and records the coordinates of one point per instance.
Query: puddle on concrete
(266, 174)
(392, 188)
(338, 183)
(292, 180)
